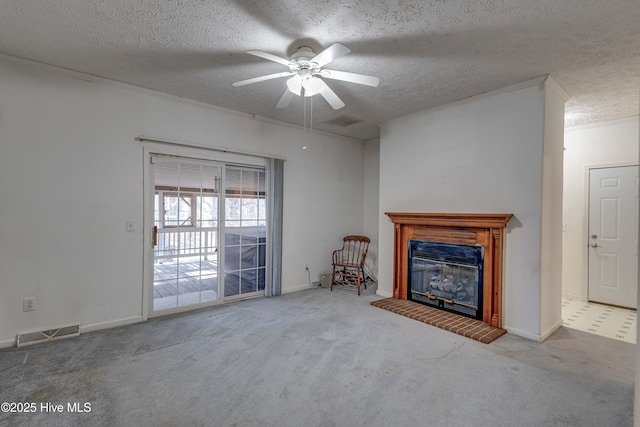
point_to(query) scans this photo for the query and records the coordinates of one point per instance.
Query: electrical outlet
(29, 304)
(306, 266)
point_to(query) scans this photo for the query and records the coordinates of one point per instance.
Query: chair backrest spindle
(354, 250)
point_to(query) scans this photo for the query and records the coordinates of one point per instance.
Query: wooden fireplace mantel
(481, 229)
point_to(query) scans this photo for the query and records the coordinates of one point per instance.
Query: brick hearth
(470, 328)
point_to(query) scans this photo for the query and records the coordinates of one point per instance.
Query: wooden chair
(348, 262)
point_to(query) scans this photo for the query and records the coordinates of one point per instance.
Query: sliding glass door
(209, 232)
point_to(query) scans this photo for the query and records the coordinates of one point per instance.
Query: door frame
(179, 151)
(585, 231)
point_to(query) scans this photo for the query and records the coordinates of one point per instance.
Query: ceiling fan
(306, 72)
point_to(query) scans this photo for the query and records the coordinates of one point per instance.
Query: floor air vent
(48, 335)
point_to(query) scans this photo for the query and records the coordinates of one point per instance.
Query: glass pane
(233, 183)
(167, 174)
(262, 209)
(250, 183)
(209, 286)
(249, 209)
(156, 209)
(170, 211)
(191, 177)
(209, 179)
(184, 213)
(261, 184)
(248, 281)
(207, 211)
(186, 255)
(233, 208)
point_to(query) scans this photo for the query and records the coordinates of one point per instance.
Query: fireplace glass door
(447, 276)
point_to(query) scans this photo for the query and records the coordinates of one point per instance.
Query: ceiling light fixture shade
(312, 86)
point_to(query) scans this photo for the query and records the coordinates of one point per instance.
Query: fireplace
(446, 276)
(451, 262)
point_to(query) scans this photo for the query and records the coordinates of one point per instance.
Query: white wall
(551, 244)
(71, 174)
(372, 202)
(480, 155)
(604, 144)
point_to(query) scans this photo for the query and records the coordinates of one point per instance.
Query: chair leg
(358, 274)
(333, 276)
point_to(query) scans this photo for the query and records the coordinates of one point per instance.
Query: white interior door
(613, 235)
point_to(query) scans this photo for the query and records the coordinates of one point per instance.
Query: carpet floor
(317, 358)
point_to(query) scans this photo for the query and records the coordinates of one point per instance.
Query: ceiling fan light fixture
(312, 86)
(305, 69)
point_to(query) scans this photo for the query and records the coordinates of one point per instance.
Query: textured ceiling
(426, 53)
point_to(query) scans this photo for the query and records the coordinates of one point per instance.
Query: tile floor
(599, 319)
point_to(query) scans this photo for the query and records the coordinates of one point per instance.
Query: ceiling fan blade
(330, 96)
(262, 78)
(285, 100)
(360, 79)
(295, 85)
(334, 51)
(270, 57)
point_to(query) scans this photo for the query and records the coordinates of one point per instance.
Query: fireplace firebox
(446, 276)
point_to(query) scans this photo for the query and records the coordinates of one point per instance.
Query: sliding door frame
(186, 153)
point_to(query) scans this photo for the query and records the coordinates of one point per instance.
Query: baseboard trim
(8, 343)
(574, 297)
(523, 334)
(384, 294)
(551, 330)
(296, 289)
(534, 337)
(110, 324)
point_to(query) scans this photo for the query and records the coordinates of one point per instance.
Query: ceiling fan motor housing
(301, 60)
(304, 53)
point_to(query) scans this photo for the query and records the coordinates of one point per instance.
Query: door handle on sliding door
(155, 235)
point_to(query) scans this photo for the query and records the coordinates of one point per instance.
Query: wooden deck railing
(173, 242)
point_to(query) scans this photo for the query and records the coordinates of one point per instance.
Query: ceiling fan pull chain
(311, 115)
(304, 123)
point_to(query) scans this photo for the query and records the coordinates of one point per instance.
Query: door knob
(594, 245)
